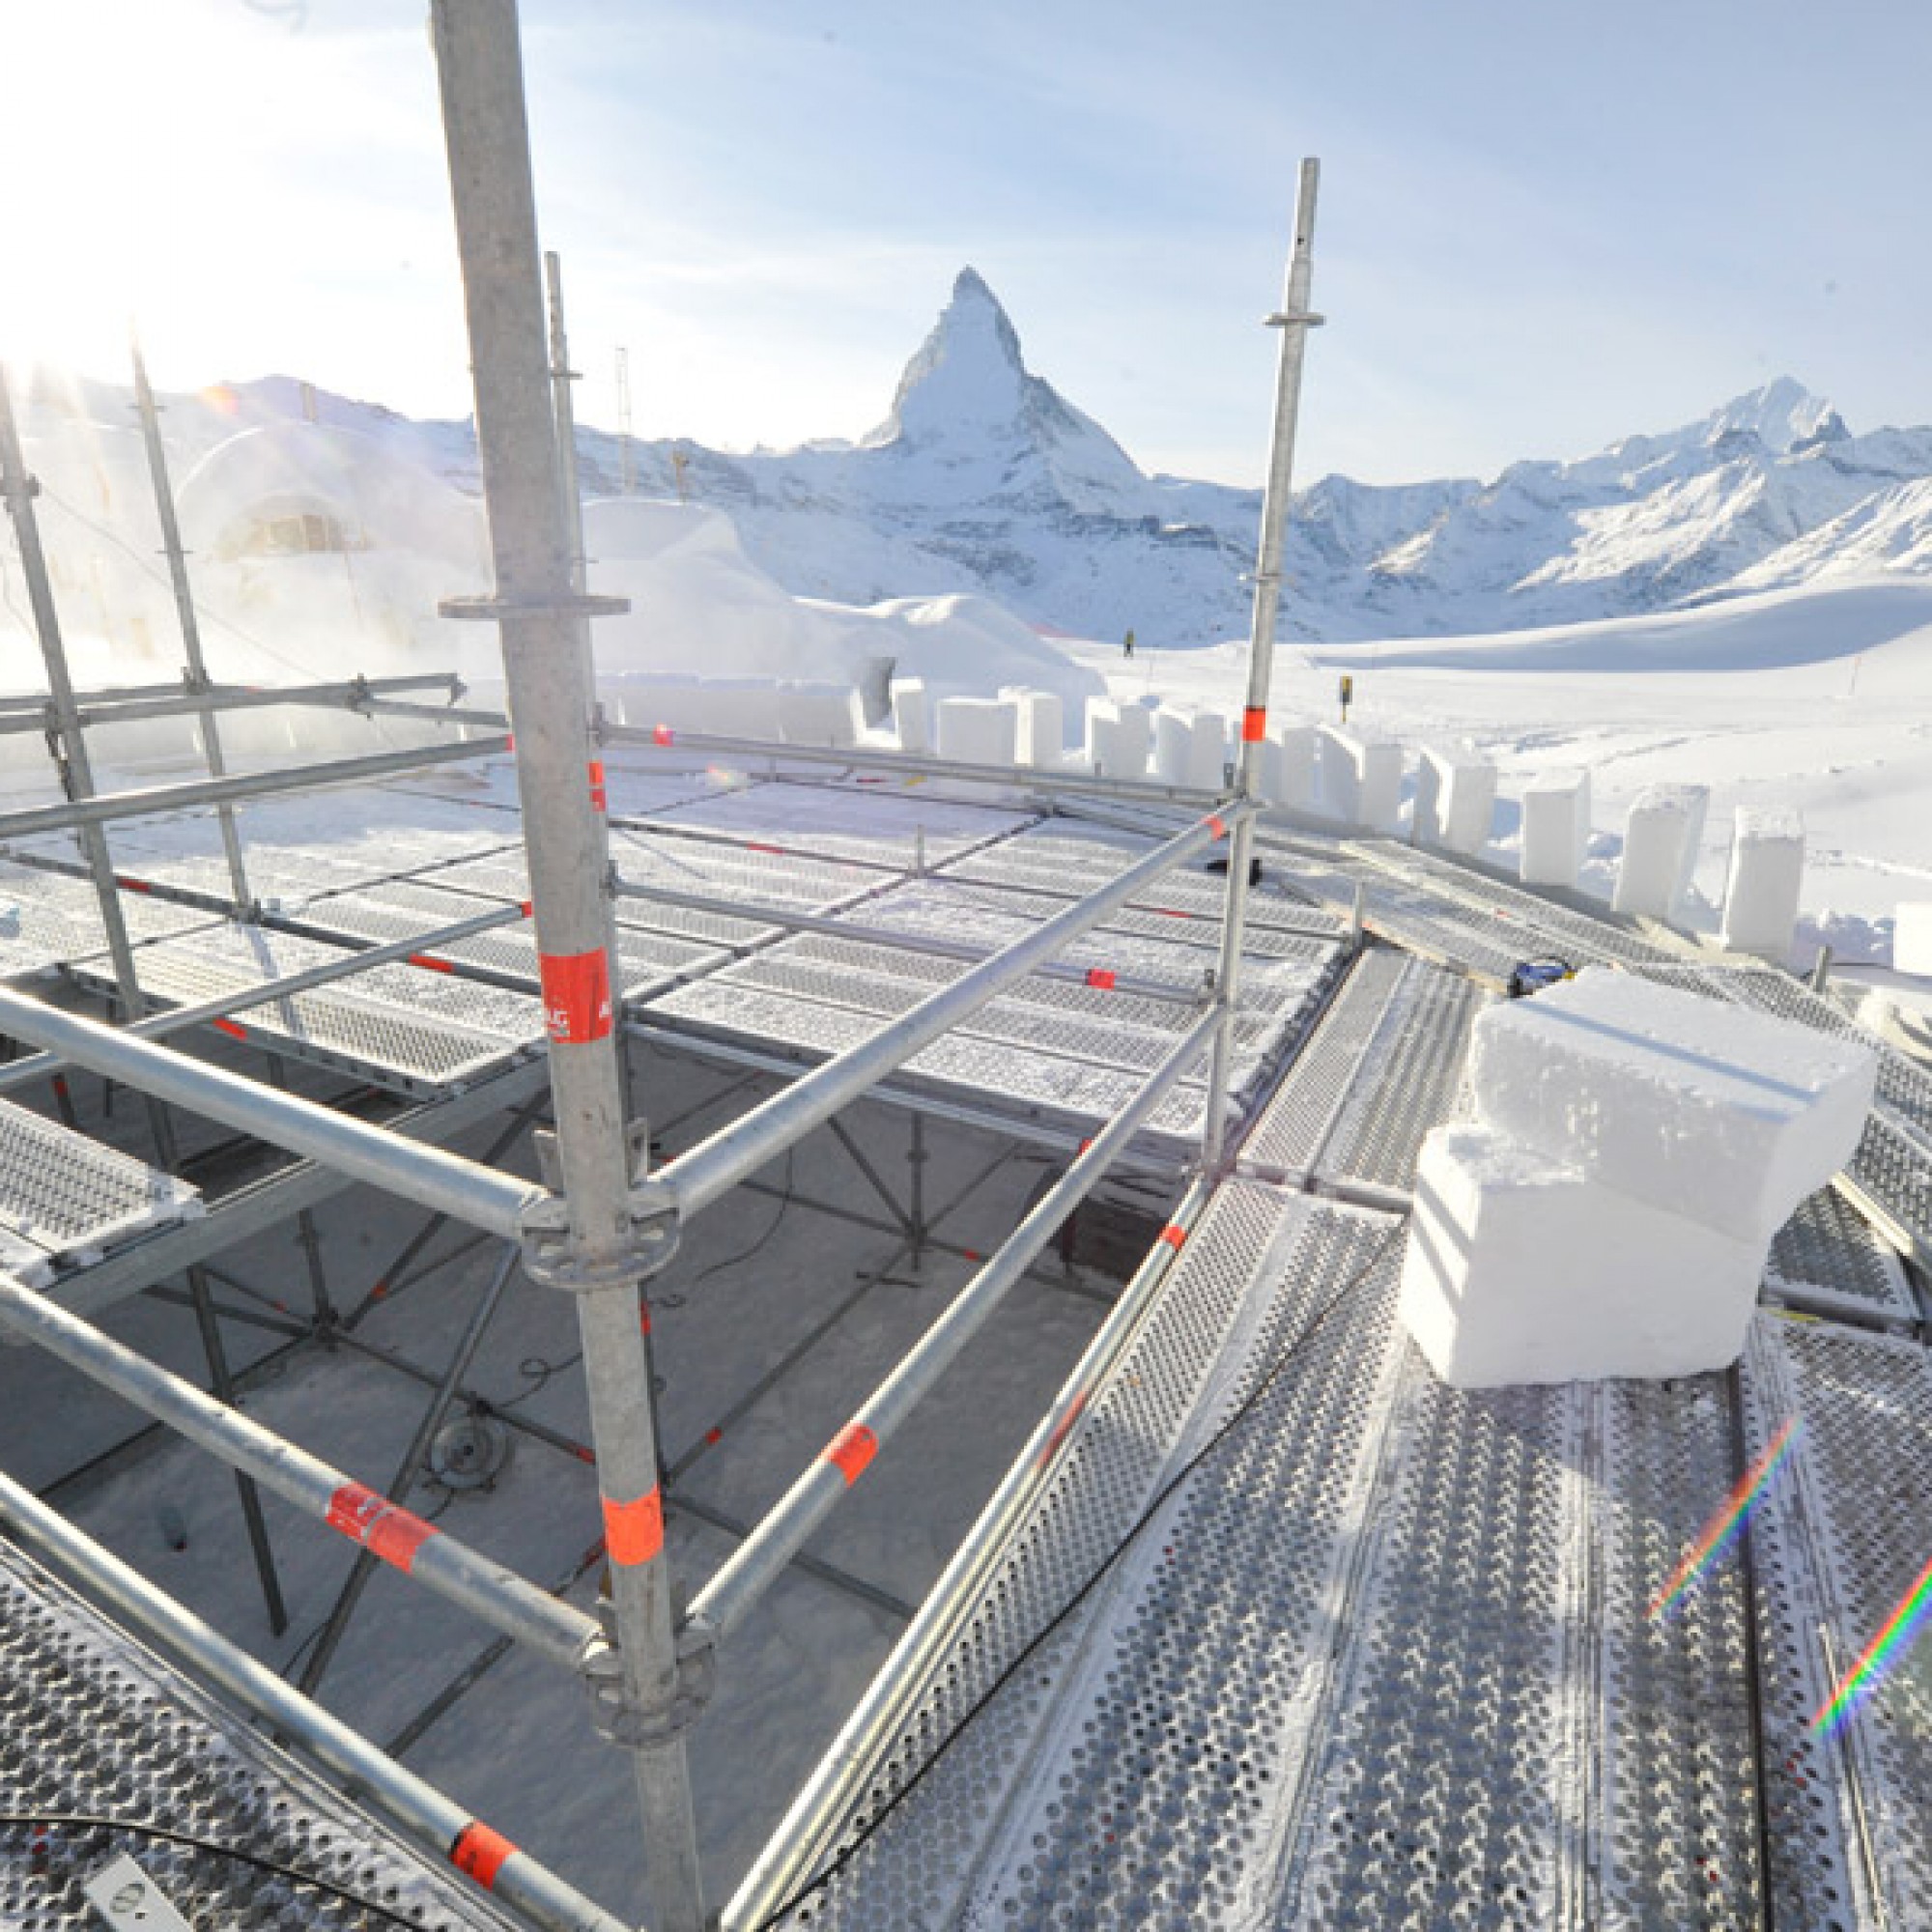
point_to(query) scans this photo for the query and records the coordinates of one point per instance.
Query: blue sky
(1542, 226)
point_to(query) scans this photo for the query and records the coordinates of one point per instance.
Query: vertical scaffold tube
(479, 62)
(1294, 320)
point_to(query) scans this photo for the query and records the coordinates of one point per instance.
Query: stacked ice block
(1609, 1210)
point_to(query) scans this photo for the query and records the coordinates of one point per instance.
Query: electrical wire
(166, 1835)
(1242, 1413)
(677, 1298)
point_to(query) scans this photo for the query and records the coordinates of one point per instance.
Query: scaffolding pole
(156, 799)
(483, 1587)
(757, 1563)
(190, 625)
(432, 1178)
(420, 1812)
(98, 708)
(693, 1180)
(1294, 320)
(597, 1250)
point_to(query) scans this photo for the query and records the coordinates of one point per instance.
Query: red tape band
(774, 851)
(60, 1085)
(633, 1532)
(429, 963)
(1253, 724)
(1063, 1428)
(576, 995)
(133, 885)
(1099, 976)
(662, 734)
(1218, 826)
(599, 798)
(851, 1450)
(1174, 1235)
(230, 1028)
(510, 742)
(382, 1528)
(480, 1852)
(528, 907)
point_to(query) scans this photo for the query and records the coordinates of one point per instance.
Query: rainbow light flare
(1893, 1640)
(1723, 1527)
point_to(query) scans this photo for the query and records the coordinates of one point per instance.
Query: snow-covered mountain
(982, 478)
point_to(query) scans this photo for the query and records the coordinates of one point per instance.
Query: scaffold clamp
(553, 1254)
(635, 1725)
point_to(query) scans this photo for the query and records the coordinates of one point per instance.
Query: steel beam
(721, 1607)
(356, 694)
(693, 1180)
(484, 1587)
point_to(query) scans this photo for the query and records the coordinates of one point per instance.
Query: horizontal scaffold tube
(111, 806)
(179, 701)
(715, 1166)
(420, 1812)
(160, 1026)
(499, 1597)
(759, 1560)
(792, 1851)
(465, 1190)
(896, 940)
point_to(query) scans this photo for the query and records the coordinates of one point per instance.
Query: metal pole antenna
(601, 1255)
(1294, 320)
(197, 680)
(561, 375)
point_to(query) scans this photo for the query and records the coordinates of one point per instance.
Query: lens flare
(1894, 1638)
(1719, 1532)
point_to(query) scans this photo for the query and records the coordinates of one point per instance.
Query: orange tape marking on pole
(480, 1852)
(1253, 724)
(429, 963)
(576, 995)
(633, 1532)
(1063, 1428)
(1174, 1235)
(384, 1528)
(662, 734)
(230, 1028)
(1101, 977)
(1219, 827)
(851, 1450)
(600, 797)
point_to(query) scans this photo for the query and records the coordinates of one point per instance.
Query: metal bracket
(553, 1252)
(635, 1727)
(491, 609)
(1300, 318)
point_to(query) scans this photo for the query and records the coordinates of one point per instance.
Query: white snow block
(1208, 752)
(1039, 733)
(1660, 849)
(1117, 739)
(1522, 1269)
(1455, 799)
(1555, 829)
(1136, 739)
(1361, 779)
(1173, 746)
(912, 714)
(1720, 1114)
(819, 714)
(1912, 938)
(1288, 761)
(1767, 876)
(978, 730)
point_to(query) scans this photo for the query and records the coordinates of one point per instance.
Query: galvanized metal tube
(696, 1178)
(466, 1191)
(146, 803)
(871, 757)
(95, 710)
(546, 669)
(804, 1834)
(1294, 320)
(757, 1562)
(890, 937)
(418, 1811)
(499, 1597)
(160, 1026)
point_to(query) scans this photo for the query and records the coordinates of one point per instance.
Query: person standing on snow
(1127, 646)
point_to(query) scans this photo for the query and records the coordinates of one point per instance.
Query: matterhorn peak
(968, 374)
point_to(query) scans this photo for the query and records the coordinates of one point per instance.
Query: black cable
(79, 1821)
(676, 1299)
(1242, 1413)
(537, 1372)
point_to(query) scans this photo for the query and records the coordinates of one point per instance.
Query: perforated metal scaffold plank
(1838, 1547)
(65, 1198)
(1827, 1259)
(47, 919)
(91, 1725)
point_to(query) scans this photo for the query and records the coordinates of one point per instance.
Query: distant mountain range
(985, 478)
